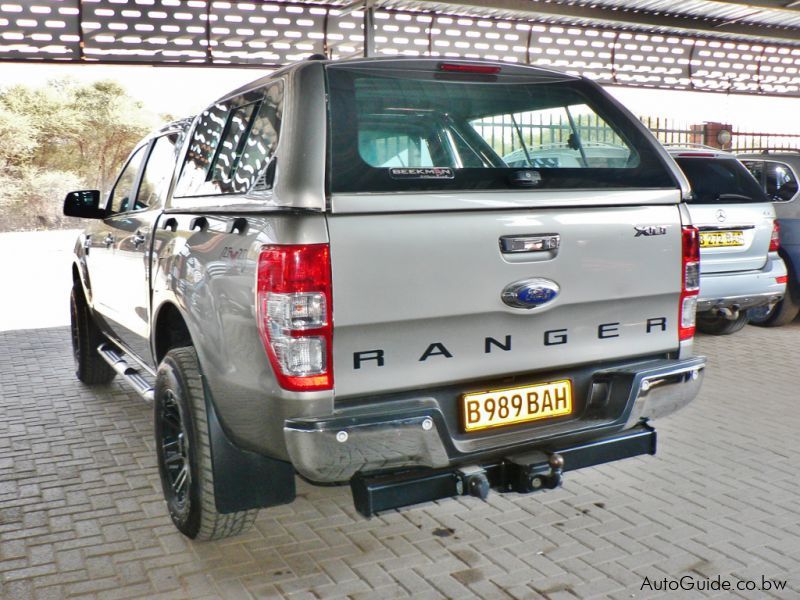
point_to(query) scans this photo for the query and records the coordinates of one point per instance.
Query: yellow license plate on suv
(484, 410)
(721, 239)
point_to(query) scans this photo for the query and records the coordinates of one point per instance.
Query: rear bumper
(414, 433)
(742, 290)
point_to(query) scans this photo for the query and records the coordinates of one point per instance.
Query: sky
(183, 91)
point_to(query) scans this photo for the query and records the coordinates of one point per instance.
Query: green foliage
(17, 139)
(77, 134)
(31, 199)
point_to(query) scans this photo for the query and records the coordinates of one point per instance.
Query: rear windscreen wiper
(735, 197)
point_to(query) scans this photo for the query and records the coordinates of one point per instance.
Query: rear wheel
(184, 451)
(719, 325)
(782, 313)
(86, 337)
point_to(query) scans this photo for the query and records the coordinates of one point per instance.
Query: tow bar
(521, 473)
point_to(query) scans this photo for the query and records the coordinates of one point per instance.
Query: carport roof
(767, 20)
(709, 45)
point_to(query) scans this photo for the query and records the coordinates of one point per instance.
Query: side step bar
(521, 473)
(116, 359)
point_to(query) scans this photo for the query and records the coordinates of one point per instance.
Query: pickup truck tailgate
(417, 295)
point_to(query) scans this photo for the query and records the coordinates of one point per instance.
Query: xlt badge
(649, 230)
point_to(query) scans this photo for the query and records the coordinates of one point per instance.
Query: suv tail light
(775, 240)
(690, 282)
(294, 312)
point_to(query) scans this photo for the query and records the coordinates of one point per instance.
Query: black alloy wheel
(174, 447)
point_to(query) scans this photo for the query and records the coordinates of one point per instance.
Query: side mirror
(84, 204)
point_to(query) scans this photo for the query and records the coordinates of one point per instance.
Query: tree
(17, 139)
(80, 134)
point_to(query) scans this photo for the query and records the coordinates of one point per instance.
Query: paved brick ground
(81, 514)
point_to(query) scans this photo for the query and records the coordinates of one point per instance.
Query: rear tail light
(690, 282)
(782, 279)
(294, 312)
(775, 240)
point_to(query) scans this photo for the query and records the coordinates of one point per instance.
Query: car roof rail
(688, 145)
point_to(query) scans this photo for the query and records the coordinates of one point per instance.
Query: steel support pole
(369, 28)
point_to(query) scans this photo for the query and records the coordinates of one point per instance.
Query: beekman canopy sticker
(421, 173)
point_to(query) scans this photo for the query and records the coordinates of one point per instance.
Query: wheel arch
(791, 256)
(170, 330)
(243, 479)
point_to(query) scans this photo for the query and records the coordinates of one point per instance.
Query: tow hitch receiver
(521, 473)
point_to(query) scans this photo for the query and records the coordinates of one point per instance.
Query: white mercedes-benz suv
(739, 263)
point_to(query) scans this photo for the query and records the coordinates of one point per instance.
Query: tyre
(183, 451)
(86, 337)
(782, 313)
(719, 325)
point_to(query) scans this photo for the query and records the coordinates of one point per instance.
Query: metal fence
(744, 140)
(541, 129)
(672, 132)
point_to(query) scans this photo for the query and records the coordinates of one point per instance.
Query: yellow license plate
(721, 239)
(497, 408)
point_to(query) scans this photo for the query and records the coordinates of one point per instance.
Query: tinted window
(384, 146)
(474, 133)
(756, 168)
(780, 182)
(158, 171)
(120, 199)
(230, 149)
(720, 180)
(558, 138)
(232, 143)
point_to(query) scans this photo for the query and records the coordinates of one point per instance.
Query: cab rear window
(720, 181)
(425, 130)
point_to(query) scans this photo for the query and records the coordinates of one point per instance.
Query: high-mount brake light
(690, 282)
(295, 314)
(775, 239)
(462, 68)
(696, 154)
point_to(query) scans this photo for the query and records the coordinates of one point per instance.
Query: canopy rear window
(426, 130)
(720, 181)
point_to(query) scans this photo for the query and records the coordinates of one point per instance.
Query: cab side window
(779, 182)
(124, 192)
(232, 143)
(158, 172)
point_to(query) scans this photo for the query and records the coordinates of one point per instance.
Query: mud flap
(242, 479)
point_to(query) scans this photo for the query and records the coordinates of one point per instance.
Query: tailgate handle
(540, 242)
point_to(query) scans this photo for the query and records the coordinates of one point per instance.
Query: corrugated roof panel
(272, 33)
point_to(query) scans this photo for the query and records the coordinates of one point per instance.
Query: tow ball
(535, 471)
(523, 474)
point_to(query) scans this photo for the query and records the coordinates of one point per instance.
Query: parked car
(332, 271)
(740, 267)
(777, 171)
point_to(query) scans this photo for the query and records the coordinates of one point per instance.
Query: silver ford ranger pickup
(422, 278)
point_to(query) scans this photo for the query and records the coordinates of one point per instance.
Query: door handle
(138, 238)
(108, 240)
(540, 242)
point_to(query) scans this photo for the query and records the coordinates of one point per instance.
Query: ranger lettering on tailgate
(552, 337)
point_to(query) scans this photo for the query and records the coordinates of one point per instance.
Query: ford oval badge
(530, 293)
